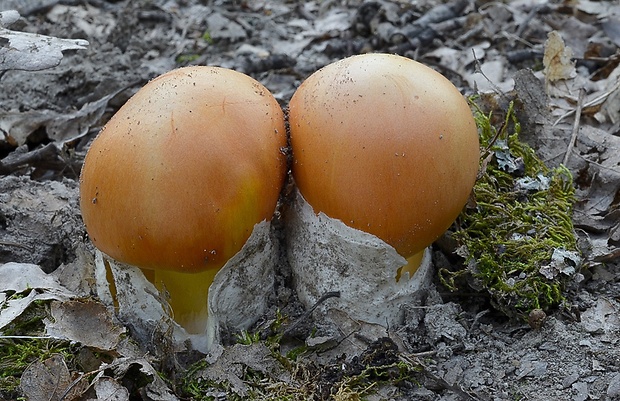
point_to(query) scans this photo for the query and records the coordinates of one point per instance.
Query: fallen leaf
(109, 389)
(87, 322)
(50, 380)
(602, 151)
(13, 308)
(60, 127)
(557, 58)
(8, 17)
(20, 278)
(603, 317)
(231, 364)
(155, 388)
(33, 52)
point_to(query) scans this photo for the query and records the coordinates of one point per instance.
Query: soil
(466, 348)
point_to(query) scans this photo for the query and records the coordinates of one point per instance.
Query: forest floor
(452, 345)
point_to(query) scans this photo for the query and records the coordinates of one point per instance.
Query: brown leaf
(557, 58)
(50, 380)
(87, 322)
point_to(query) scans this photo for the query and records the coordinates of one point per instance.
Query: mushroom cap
(386, 145)
(181, 174)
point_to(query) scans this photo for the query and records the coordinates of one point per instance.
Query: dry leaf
(87, 322)
(50, 380)
(109, 389)
(32, 52)
(232, 363)
(155, 389)
(557, 58)
(60, 127)
(603, 317)
(20, 278)
(13, 308)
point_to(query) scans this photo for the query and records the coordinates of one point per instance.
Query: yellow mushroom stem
(186, 293)
(413, 263)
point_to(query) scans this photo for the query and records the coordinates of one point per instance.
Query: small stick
(575, 132)
(15, 244)
(592, 102)
(306, 315)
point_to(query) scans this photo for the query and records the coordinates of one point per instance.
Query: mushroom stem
(186, 293)
(413, 263)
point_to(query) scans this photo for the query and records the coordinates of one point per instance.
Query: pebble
(613, 390)
(570, 379)
(532, 369)
(581, 391)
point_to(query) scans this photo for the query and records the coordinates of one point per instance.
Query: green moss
(207, 37)
(21, 344)
(246, 338)
(186, 58)
(521, 216)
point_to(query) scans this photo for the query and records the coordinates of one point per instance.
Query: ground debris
(51, 380)
(32, 52)
(453, 345)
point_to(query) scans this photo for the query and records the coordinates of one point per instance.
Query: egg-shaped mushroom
(178, 178)
(387, 145)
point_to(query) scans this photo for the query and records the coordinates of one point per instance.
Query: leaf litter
(470, 351)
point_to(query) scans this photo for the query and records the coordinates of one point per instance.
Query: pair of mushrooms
(181, 174)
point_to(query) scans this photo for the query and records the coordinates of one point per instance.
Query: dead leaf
(604, 317)
(231, 364)
(78, 276)
(109, 389)
(557, 58)
(562, 262)
(13, 308)
(33, 52)
(599, 8)
(21, 278)
(87, 322)
(610, 108)
(50, 380)
(93, 21)
(603, 154)
(60, 127)
(155, 389)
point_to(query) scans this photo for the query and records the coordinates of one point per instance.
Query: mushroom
(178, 178)
(386, 145)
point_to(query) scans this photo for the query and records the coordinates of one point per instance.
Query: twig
(615, 170)
(26, 338)
(575, 132)
(498, 133)
(478, 69)
(306, 315)
(525, 23)
(609, 256)
(17, 245)
(589, 104)
(48, 156)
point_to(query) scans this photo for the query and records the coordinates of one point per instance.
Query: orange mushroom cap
(182, 173)
(386, 145)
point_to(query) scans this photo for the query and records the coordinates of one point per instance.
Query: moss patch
(21, 344)
(517, 235)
